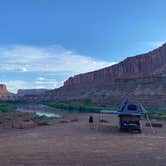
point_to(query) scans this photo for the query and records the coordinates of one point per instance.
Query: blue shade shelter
(127, 108)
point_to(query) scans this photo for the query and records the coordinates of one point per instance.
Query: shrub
(78, 107)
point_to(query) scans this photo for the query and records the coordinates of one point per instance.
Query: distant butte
(5, 94)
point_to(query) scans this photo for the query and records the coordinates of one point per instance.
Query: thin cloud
(40, 78)
(14, 85)
(22, 69)
(155, 44)
(52, 65)
(47, 59)
(46, 82)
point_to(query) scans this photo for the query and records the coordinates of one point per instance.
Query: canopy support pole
(147, 118)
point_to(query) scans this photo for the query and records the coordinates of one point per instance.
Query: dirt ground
(74, 143)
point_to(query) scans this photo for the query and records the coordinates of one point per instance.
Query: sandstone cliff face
(3, 89)
(5, 94)
(143, 65)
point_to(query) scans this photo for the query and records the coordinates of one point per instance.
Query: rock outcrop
(3, 89)
(143, 65)
(5, 94)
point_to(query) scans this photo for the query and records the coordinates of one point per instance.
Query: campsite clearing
(73, 143)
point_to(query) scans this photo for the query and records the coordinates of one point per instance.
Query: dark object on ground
(26, 120)
(103, 121)
(154, 124)
(74, 120)
(43, 123)
(63, 121)
(90, 119)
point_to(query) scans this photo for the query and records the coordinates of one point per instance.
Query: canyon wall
(143, 65)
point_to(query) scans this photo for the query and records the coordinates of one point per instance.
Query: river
(40, 110)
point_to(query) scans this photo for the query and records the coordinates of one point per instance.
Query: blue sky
(43, 42)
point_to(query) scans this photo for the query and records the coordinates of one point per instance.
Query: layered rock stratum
(143, 65)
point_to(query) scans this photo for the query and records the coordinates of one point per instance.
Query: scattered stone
(25, 125)
(43, 123)
(74, 120)
(103, 121)
(154, 124)
(26, 120)
(63, 121)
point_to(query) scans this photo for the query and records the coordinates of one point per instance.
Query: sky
(43, 42)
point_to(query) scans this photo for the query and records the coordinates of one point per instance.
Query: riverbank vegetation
(79, 107)
(86, 107)
(157, 114)
(91, 108)
(7, 107)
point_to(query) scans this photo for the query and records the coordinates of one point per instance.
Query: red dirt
(75, 144)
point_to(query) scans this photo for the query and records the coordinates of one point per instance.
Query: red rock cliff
(143, 65)
(5, 94)
(3, 89)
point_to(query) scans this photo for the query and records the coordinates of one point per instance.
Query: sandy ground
(75, 144)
